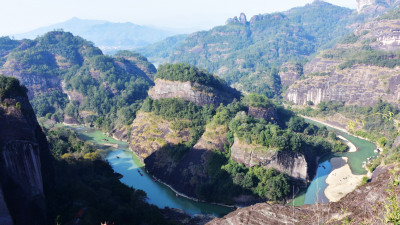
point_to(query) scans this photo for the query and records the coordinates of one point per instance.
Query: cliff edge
(23, 147)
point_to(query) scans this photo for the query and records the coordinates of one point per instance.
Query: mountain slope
(106, 35)
(71, 80)
(158, 52)
(363, 68)
(248, 54)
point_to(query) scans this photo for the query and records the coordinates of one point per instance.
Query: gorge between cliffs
(164, 195)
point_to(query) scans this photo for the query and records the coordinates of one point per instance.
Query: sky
(19, 16)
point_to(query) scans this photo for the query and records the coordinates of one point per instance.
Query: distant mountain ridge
(106, 35)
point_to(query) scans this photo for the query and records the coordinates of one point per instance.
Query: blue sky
(18, 16)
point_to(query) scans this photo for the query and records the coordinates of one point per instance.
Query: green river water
(129, 165)
(315, 191)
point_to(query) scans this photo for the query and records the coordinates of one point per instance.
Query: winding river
(315, 191)
(125, 162)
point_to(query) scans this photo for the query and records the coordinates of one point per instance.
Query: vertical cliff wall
(293, 164)
(5, 217)
(23, 147)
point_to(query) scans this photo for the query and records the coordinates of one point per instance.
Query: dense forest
(111, 88)
(249, 55)
(87, 189)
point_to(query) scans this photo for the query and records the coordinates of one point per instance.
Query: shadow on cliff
(197, 173)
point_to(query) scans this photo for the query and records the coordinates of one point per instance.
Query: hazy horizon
(23, 15)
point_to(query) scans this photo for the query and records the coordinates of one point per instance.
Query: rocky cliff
(268, 114)
(5, 217)
(150, 133)
(156, 142)
(194, 92)
(60, 63)
(23, 157)
(374, 6)
(289, 73)
(350, 73)
(366, 205)
(292, 164)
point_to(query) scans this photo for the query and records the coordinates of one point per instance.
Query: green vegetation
(322, 20)
(377, 123)
(183, 114)
(250, 55)
(350, 39)
(65, 143)
(392, 207)
(109, 89)
(49, 104)
(370, 56)
(393, 14)
(289, 133)
(257, 101)
(232, 179)
(185, 72)
(86, 187)
(10, 87)
(159, 51)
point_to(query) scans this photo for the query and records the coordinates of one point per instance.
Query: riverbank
(341, 180)
(352, 147)
(178, 194)
(333, 126)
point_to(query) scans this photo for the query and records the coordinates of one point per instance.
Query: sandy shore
(331, 125)
(341, 180)
(352, 147)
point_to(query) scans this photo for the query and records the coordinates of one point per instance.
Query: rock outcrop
(268, 114)
(23, 158)
(363, 3)
(150, 133)
(36, 83)
(196, 93)
(326, 79)
(365, 205)
(374, 6)
(289, 73)
(290, 163)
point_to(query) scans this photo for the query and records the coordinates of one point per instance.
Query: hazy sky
(18, 16)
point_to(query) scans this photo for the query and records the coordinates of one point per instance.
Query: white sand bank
(341, 181)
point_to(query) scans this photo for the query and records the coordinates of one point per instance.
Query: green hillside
(103, 90)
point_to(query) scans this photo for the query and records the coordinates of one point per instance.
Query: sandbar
(352, 147)
(341, 180)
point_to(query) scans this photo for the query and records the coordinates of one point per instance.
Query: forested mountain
(356, 84)
(159, 51)
(249, 54)
(108, 36)
(71, 80)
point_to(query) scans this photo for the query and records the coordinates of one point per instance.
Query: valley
(284, 118)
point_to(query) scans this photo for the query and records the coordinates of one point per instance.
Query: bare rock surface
(358, 84)
(292, 164)
(196, 93)
(365, 205)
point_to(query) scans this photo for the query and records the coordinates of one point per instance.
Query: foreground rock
(24, 160)
(364, 205)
